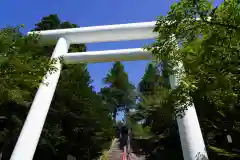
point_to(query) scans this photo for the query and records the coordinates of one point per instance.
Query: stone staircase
(134, 157)
(115, 152)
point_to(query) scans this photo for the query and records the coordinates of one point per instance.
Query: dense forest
(82, 122)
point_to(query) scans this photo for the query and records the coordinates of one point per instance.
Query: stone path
(116, 152)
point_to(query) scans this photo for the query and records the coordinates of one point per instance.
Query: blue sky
(90, 13)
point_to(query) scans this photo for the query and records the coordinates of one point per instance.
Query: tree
(85, 121)
(53, 22)
(120, 96)
(155, 112)
(116, 94)
(84, 127)
(22, 69)
(78, 121)
(208, 49)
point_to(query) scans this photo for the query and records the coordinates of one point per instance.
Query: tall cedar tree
(155, 113)
(116, 94)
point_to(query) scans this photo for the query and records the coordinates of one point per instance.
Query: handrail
(124, 155)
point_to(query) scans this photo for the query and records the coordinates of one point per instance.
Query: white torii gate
(189, 129)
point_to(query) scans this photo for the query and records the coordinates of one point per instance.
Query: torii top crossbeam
(106, 33)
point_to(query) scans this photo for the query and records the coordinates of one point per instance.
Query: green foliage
(84, 125)
(140, 131)
(223, 153)
(153, 98)
(85, 121)
(22, 66)
(105, 155)
(22, 69)
(117, 77)
(155, 112)
(53, 22)
(78, 122)
(119, 91)
(208, 48)
(81, 122)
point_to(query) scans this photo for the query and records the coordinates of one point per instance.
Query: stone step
(115, 151)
